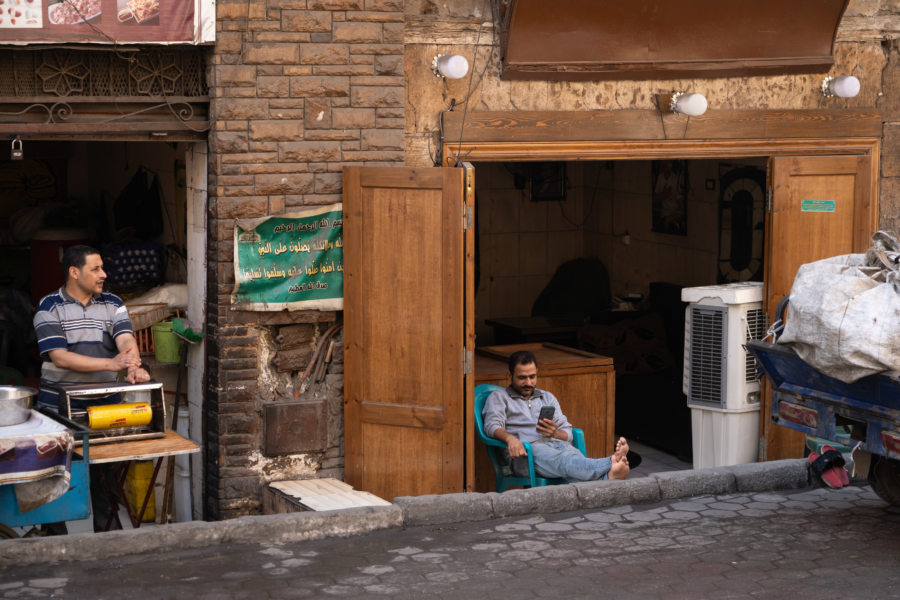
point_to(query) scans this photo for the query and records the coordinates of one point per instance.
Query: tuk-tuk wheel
(884, 477)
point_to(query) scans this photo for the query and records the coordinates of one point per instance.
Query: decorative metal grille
(757, 325)
(97, 73)
(707, 364)
(120, 89)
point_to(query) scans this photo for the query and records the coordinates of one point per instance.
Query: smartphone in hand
(546, 413)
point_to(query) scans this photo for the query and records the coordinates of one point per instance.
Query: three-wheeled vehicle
(864, 415)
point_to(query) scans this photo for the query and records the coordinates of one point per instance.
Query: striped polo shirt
(63, 323)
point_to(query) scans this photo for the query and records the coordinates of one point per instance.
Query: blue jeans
(557, 458)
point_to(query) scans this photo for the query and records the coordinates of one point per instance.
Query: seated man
(511, 416)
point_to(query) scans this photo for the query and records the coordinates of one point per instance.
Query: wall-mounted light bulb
(451, 66)
(842, 86)
(690, 104)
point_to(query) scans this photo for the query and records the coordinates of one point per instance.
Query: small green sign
(293, 261)
(817, 206)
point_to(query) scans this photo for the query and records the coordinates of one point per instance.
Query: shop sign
(107, 21)
(293, 261)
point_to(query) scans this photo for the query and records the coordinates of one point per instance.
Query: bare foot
(619, 468)
(622, 447)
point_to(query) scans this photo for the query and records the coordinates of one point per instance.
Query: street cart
(73, 504)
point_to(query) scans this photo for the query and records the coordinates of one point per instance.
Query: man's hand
(127, 359)
(137, 375)
(515, 447)
(547, 427)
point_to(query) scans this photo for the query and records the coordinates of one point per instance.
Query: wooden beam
(650, 149)
(576, 126)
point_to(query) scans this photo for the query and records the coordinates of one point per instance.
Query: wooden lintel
(619, 125)
(134, 130)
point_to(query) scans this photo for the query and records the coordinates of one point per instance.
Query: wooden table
(583, 382)
(171, 444)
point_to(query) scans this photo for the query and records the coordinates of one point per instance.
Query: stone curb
(410, 511)
(290, 527)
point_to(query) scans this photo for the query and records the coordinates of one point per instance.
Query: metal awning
(662, 39)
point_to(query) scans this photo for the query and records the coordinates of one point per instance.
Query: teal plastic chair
(504, 477)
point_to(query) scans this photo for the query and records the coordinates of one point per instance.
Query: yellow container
(136, 483)
(108, 416)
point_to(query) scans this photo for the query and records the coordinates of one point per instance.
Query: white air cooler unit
(719, 375)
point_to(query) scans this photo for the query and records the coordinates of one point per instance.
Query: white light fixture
(842, 86)
(451, 66)
(690, 104)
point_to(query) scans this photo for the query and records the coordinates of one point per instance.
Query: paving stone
(803, 544)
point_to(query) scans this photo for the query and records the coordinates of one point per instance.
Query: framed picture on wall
(670, 188)
(548, 181)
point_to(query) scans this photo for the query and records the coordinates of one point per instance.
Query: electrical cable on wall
(457, 158)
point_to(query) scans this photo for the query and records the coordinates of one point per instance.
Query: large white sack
(843, 317)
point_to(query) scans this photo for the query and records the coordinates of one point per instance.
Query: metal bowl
(15, 404)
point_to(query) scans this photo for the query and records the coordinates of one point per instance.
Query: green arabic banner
(293, 261)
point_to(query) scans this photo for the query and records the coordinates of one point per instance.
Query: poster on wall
(670, 190)
(293, 261)
(106, 21)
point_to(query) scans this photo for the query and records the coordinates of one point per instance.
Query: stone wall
(299, 89)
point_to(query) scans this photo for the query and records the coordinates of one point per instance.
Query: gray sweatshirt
(507, 409)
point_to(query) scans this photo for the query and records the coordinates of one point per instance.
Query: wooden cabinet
(584, 383)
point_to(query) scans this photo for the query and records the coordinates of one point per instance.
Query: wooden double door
(409, 298)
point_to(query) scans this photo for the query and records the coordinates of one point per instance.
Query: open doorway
(142, 204)
(593, 255)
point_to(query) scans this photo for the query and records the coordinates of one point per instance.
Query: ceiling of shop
(663, 39)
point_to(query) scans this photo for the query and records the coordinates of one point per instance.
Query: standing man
(511, 416)
(84, 336)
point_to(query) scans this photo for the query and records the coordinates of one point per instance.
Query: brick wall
(299, 89)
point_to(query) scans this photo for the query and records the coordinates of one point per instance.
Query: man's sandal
(842, 472)
(828, 466)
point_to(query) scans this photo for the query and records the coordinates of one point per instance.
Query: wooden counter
(170, 445)
(584, 383)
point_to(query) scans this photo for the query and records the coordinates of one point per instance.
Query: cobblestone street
(822, 543)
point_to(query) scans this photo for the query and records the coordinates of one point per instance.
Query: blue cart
(865, 413)
(73, 505)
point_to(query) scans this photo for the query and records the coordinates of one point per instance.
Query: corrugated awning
(662, 39)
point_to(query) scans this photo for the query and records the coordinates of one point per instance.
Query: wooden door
(821, 206)
(404, 323)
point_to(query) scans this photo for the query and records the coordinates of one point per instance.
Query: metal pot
(15, 404)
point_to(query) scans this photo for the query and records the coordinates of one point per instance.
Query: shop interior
(129, 200)
(593, 255)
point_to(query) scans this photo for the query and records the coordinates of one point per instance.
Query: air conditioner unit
(720, 379)
(719, 321)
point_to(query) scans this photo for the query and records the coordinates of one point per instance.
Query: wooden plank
(170, 445)
(639, 149)
(868, 28)
(325, 494)
(533, 127)
(401, 415)
(172, 128)
(402, 179)
(469, 322)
